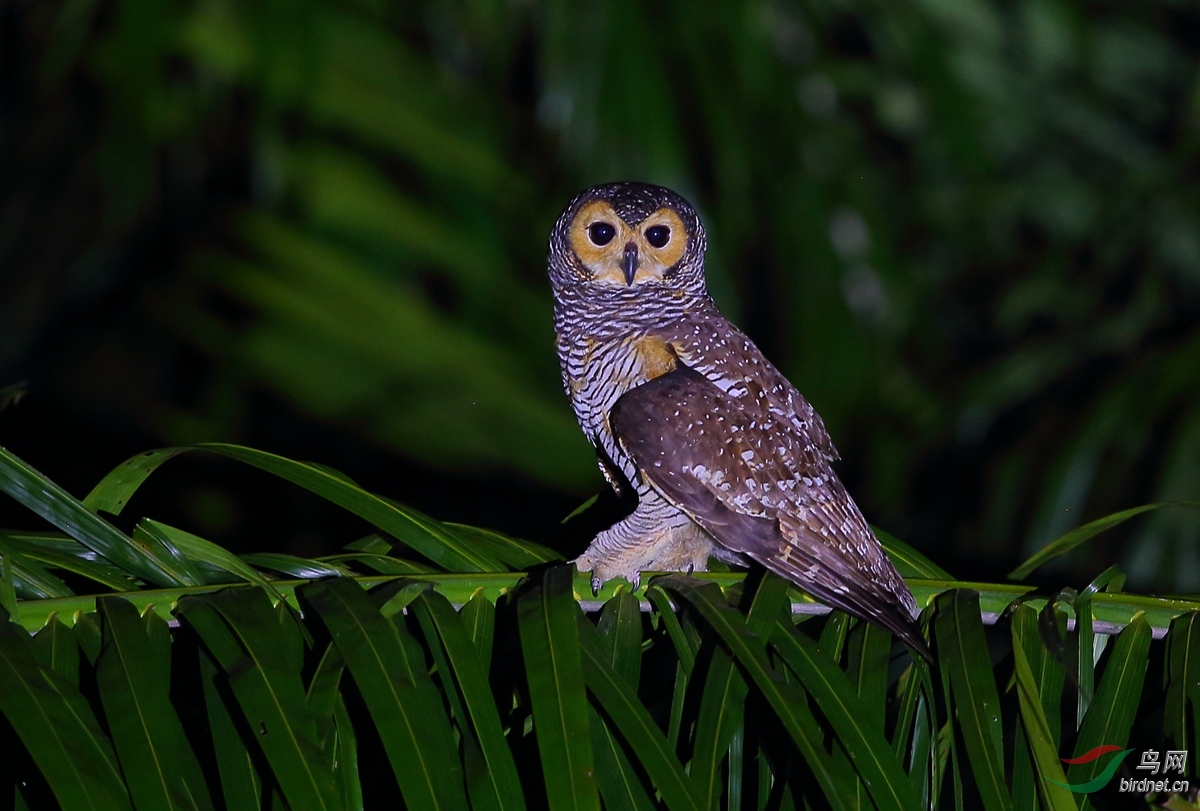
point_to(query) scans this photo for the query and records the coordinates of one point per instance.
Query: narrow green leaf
(581, 509)
(325, 685)
(484, 721)
(833, 635)
(346, 763)
(33, 490)
(240, 783)
(479, 615)
(182, 567)
(994, 598)
(686, 646)
(409, 527)
(945, 753)
(480, 780)
(553, 666)
(206, 553)
(963, 653)
(909, 692)
(1110, 719)
(335, 732)
(791, 707)
(735, 786)
(633, 722)
(406, 525)
(908, 561)
(513, 552)
(389, 669)
(1042, 747)
(867, 648)
(867, 665)
(58, 650)
(1046, 662)
(25, 578)
(66, 553)
(88, 635)
(723, 698)
(380, 564)
(1088, 644)
(1025, 780)
(57, 727)
(858, 728)
(113, 492)
(1182, 676)
(678, 705)
(393, 596)
(8, 589)
(134, 676)
(372, 544)
(922, 765)
(766, 605)
(621, 626)
(292, 566)
(1065, 543)
(261, 657)
(722, 704)
(619, 785)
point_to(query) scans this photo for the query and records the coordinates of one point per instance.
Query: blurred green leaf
(11, 395)
(1084, 533)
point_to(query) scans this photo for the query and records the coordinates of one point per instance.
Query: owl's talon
(597, 584)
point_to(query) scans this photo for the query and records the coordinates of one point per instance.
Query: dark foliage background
(968, 231)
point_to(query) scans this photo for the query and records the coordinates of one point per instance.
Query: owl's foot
(612, 554)
(601, 573)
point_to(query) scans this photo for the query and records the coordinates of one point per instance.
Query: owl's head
(628, 235)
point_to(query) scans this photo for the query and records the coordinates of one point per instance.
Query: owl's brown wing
(761, 488)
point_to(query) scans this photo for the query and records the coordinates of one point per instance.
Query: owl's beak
(629, 263)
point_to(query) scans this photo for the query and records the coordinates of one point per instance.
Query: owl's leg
(655, 537)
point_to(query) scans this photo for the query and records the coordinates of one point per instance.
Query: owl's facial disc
(618, 254)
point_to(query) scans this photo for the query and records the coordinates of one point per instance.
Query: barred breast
(602, 356)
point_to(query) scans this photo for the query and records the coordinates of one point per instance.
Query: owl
(725, 457)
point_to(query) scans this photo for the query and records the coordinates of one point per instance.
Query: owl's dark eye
(658, 235)
(601, 233)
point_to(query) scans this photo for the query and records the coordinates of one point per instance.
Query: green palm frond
(171, 668)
